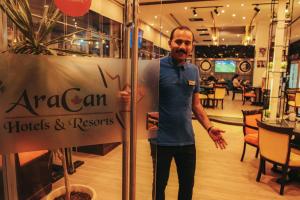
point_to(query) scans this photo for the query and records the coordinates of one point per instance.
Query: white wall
(113, 11)
(261, 41)
(154, 36)
(108, 9)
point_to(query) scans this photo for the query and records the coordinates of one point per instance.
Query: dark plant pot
(74, 187)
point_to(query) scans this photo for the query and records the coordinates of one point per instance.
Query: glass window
(37, 6)
(94, 21)
(106, 48)
(101, 36)
(106, 26)
(116, 39)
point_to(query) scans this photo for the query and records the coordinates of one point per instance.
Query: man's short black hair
(180, 28)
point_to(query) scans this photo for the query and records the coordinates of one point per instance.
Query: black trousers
(185, 159)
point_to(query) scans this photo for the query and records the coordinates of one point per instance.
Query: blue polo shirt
(177, 84)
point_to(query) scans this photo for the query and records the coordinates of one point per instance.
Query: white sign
(49, 102)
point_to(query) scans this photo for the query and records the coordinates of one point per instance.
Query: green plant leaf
(35, 42)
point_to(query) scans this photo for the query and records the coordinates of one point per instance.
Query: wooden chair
(218, 95)
(275, 147)
(203, 99)
(295, 102)
(234, 90)
(247, 94)
(250, 129)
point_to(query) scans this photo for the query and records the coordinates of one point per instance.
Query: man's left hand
(216, 135)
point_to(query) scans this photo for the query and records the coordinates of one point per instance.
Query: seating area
(275, 147)
(33, 171)
(219, 93)
(248, 94)
(236, 91)
(293, 100)
(111, 84)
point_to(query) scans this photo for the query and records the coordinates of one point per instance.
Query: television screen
(225, 66)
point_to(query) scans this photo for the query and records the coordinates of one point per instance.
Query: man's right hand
(125, 99)
(125, 96)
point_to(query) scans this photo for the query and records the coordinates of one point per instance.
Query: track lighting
(216, 11)
(256, 8)
(195, 12)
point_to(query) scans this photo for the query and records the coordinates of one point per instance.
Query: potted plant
(69, 192)
(267, 114)
(270, 65)
(35, 41)
(283, 66)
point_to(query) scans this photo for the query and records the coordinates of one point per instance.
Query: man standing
(178, 98)
(212, 78)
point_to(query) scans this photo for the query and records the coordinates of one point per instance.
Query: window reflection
(99, 36)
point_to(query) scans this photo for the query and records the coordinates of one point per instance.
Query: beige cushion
(294, 159)
(296, 151)
(202, 96)
(291, 103)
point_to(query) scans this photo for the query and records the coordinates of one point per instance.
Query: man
(212, 78)
(178, 98)
(236, 82)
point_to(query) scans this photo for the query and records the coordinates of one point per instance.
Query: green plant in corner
(270, 65)
(35, 40)
(283, 65)
(267, 113)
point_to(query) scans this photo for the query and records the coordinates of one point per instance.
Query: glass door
(63, 120)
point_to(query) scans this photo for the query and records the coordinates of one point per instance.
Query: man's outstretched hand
(216, 135)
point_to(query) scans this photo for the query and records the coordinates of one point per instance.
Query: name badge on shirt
(191, 83)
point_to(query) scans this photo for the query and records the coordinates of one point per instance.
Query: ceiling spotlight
(194, 12)
(216, 11)
(256, 8)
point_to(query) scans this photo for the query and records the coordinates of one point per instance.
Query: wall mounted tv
(225, 66)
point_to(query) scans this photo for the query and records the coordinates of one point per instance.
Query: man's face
(181, 45)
